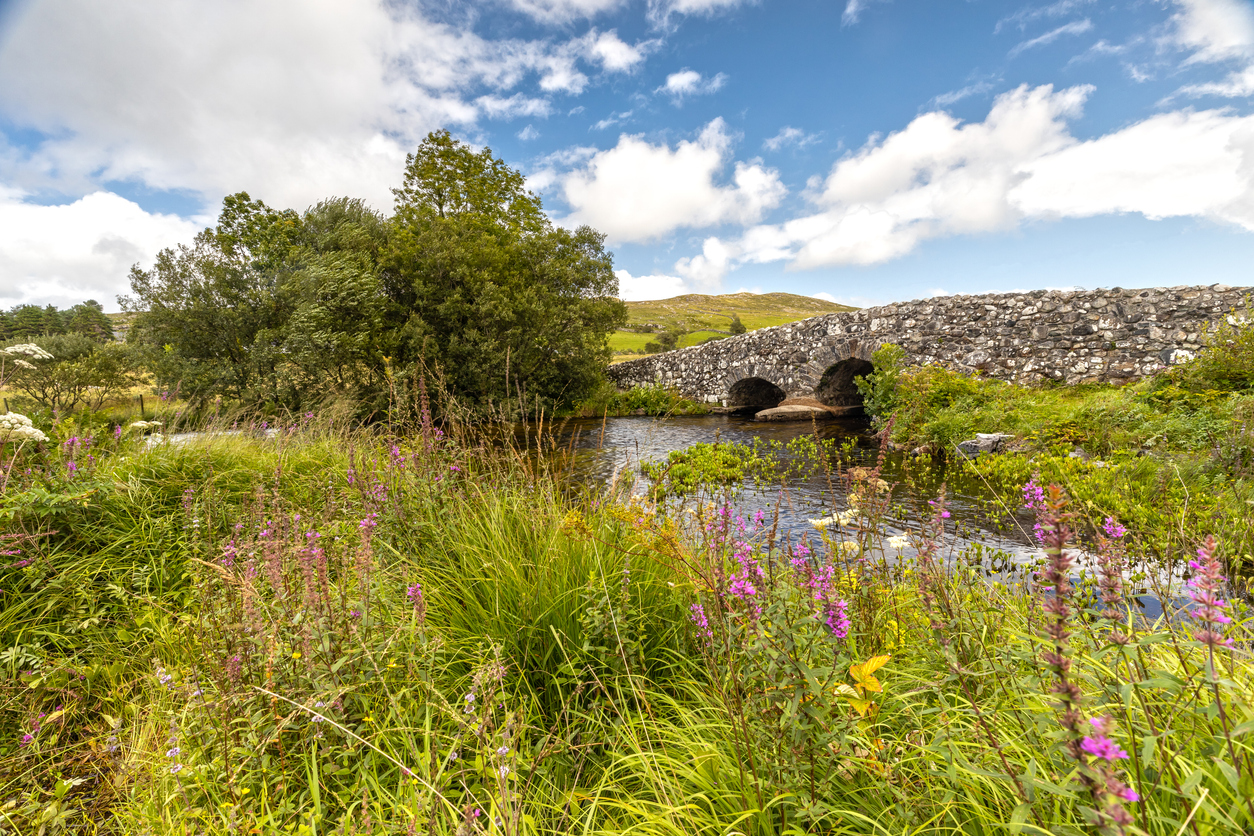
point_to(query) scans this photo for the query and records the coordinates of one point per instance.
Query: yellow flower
(296, 654)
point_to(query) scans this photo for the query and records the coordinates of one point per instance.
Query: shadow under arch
(754, 393)
(836, 386)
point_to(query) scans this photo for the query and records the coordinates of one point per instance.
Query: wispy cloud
(1031, 14)
(789, 136)
(853, 11)
(954, 96)
(1077, 27)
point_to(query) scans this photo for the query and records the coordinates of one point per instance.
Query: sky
(861, 151)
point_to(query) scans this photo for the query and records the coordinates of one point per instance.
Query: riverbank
(334, 631)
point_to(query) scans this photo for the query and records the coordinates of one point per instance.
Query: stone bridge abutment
(1113, 335)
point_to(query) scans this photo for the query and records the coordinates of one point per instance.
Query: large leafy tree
(210, 311)
(469, 276)
(511, 307)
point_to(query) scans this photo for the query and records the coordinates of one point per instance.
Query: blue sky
(861, 150)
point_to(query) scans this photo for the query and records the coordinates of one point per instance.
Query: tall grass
(348, 631)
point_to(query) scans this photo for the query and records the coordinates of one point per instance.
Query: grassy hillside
(706, 316)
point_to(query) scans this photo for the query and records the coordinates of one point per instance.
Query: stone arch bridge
(1070, 336)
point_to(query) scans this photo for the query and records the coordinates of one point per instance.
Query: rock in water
(983, 443)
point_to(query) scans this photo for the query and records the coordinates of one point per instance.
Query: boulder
(794, 412)
(983, 443)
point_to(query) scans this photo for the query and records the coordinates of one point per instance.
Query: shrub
(879, 389)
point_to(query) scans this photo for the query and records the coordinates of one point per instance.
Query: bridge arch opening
(836, 386)
(754, 393)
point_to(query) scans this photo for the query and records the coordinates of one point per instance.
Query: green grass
(701, 316)
(225, 637)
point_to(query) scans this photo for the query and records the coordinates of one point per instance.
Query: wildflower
(899, 542)
(503, 771)
(27, 350)
(698, 618)
(419, 602)
(1204, 589)
(1113, 529)
(453, 755)
(1099, 745)
(503, 751)
(1033, 495)
(943, 513)
(27, 738)
(17, 427)
(175, 769)
(174, 753)
(838, 618)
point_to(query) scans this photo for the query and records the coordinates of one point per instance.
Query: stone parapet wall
(1069, 336)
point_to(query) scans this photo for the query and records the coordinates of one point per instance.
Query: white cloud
(1214, 30)
(636, 191)
(789, 136)
(1170, 165)
(528, 133)
(688, 82)
(1077, 27)
(660, 11)
(1217, 31)
(825, 296)
(709, 268)
(66, 254)
(939, 177)
(643, 288)
(614, 54)
(290, 100)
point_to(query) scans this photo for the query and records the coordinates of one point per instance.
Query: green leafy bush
(83, 372)
(879, 389)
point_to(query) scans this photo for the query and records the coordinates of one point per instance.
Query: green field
(701, 316)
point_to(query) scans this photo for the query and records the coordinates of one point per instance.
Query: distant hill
(703, 317)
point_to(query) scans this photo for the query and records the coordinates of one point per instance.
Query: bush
(1226, 364)
(879, 388)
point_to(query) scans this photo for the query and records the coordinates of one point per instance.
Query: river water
(609, 453)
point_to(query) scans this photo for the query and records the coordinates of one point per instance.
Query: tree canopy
(469, 276)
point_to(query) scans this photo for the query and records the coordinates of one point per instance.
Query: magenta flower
(1113, 529)
(1204, 589)
(1033, 495)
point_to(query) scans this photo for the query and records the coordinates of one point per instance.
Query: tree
(737, 327)
(28, 321)
(210, 312)
(666, 341)
(81, 372)
(508, 305)
(89, 319)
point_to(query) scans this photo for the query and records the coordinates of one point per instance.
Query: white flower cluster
(838, 518)
(28, 350)
(142, 426)
(15, 427)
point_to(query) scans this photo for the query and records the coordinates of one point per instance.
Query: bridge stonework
(1070, 336)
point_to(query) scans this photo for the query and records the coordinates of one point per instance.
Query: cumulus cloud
(290, 100)
(688, 82)
(616, 55)
(940, 177)
(65, 254)
(1077, 27)
(789, 136)
(709, 268)
(642, 288)
(636, 191)
(1214, 30)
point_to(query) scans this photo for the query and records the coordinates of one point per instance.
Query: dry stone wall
(1070, 336)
